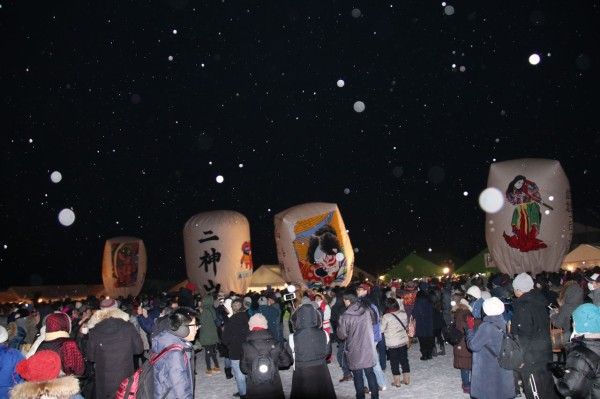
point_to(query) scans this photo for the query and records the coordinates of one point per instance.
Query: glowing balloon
(313, 246)
(521, 236)
(55, 177)
(218, 255)
(124, 266)
(66, 217)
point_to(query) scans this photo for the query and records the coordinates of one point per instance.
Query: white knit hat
(523, 282)
(3, 335)
(493, 306)
(474, 291)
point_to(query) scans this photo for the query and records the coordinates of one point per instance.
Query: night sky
(140, 105)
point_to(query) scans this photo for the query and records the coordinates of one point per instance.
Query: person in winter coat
(57, 338)
(309, 346)
(9, 358)
(41, 374)
(173, 373)
(394, 324)
(363, 292)
(356, 327)
(234, 335)
(594, 287)
(208, 335)
(462, 355)
(268, 307)
(581, 378)
(530, 322)
(423, 315)
(112, 343)
(570, 297)
(489, 380)
(261, 342)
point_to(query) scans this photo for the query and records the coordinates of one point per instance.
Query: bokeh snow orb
(534, 59)
(465, 193)
(220, 179)
(346, 191)
(491, 200)
(551, 198)
(174, 31)
(547, 212)
(241, 165)
(448, 10)
(356, 13)
(340, 83)
(355, 250)
(170, 58)
(55, 177)
(359, 106)
(66, 217)
(339, 256)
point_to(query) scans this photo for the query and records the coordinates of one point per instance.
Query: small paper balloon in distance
(340, 83)
(339, 256)
(220, 179)
(491, 200)
(534, 59)
(55, 177)
(66, 217)
(359, 106)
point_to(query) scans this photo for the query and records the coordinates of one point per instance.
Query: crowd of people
(85, 349)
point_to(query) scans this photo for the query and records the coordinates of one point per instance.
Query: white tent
(584, 256)
(267, 275)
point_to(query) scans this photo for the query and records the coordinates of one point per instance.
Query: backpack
(511, 354)
(452, 335)
(140, 385)
(263, 368)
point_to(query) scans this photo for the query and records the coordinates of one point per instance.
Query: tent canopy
(477, 264)
(584, 256)
(413, 266)
(267, 275)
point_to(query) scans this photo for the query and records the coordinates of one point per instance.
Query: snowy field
(434, 378)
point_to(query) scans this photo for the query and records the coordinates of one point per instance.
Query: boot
(442, 349)
(406, 378)
(397, 382)
(228, 373)
(434, 352)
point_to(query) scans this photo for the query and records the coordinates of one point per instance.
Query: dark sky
(89, 89)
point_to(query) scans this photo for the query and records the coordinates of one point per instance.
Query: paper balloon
(522, 236)
(124, 266)
(218, 255)
(56, 177)
(313, 247)
(66, 217)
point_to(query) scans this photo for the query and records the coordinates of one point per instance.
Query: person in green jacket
(208, 336)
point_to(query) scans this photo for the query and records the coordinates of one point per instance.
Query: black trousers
(427, 344)
(538, 382)
(399, 357)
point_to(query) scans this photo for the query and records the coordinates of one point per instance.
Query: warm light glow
(366, 279)
(446, 270)
(40, 300)
(382, 277)
(570, 268)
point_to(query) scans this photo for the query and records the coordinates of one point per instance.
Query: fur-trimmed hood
(104, 314)
(63, 387)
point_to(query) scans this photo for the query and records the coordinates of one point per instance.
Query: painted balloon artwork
(313, 247)
(124, 266)
(532, 230)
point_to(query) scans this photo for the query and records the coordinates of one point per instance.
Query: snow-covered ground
(434, 378)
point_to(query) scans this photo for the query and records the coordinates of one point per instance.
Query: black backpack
(452, 335)
(263, 367)
(511, 354)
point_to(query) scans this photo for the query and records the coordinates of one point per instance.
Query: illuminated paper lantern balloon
(532, 230)
(124, 266)
(313, 246)
(218, 255)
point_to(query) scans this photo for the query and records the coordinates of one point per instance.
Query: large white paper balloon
(313, 246)
(218, 255)
(124, 266)
(532, 230)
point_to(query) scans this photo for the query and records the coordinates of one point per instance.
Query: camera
(289, 297)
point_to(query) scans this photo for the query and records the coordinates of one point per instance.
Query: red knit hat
(43, 365)
(191, 287)
(58, 322)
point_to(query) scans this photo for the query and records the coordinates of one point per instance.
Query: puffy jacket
(235, 333)
(208, 329)
(355, 326)
(311, 346)
(173, 372)
(395, 333)
(573, 298)
(8, 376)
(583, 377)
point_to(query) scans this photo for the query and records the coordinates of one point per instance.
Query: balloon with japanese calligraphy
(532, 230)
(313, 246)
(218, 255)
(124, 266)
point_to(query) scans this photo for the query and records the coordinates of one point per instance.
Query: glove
(557, 369)
(471, 322)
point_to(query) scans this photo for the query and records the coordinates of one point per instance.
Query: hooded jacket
(583, 377)
(573, 298)
(208, 329)
(355, 326)
(60, 388)
(311, 346)
(235, 333)
(173, 372)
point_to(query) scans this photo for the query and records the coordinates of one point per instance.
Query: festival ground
(434, 378)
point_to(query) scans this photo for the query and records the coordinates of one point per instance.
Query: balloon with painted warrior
(532, 230)
(313, 246)
(218, 254)
(124, 266)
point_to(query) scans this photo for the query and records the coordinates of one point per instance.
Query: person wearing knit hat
(475, 300)
(530, 322)
(260, 341)
(580, 377)
(57, 339)
(488, 379)
(41, 373)
(109, 303)
(9, 358)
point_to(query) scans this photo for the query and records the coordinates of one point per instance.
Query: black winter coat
(262, 341)
(235, 333)
(582, 379)
(530, 321)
